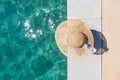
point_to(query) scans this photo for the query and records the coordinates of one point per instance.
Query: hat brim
(61, 36)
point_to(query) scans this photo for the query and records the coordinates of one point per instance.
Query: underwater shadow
(100, 42)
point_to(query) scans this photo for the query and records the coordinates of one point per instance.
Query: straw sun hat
(70, 37)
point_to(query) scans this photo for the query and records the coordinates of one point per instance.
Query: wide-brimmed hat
(70, 37)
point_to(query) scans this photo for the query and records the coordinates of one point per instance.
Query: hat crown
(76, 39)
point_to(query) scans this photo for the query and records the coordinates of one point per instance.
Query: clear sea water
(28, 50)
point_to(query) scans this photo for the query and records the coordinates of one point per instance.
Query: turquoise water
(28, 50)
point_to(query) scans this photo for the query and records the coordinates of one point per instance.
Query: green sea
(28, 50)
